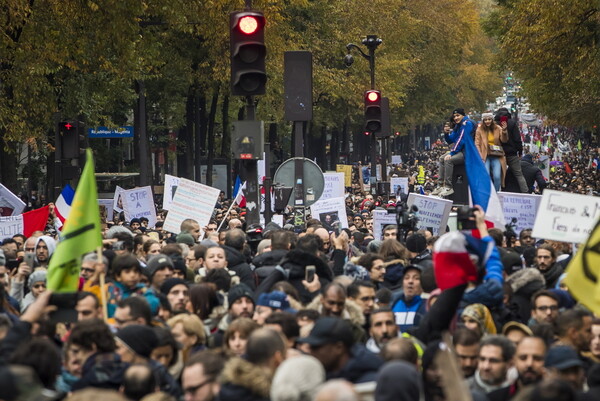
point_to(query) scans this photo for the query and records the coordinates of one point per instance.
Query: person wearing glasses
(200, 374)
(544, 307)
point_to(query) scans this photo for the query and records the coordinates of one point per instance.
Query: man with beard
(241, 304)
(495, 358)
(545, 258)
(382, 329)
(574, 329)
(466, 345)
(200, 376)
(529, 361)
(177, 293)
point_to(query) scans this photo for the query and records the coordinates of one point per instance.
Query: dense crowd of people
(258, 313)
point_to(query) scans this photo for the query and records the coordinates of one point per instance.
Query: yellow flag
(81, 233)
(583, 272)
(347, 170)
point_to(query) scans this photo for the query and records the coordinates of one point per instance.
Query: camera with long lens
(406, 217)
(509, 231)
(465, 217)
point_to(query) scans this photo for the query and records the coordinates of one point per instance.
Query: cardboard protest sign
(118, 200)
(382, 218)
(347, 170)
(171, 183)
(334, 186)
(433, 212)
(398, 185)
(522, 207)
(10, 204)
(564, 216)
(139, 202)
(331, 212)
(192, 201)
(107, 204)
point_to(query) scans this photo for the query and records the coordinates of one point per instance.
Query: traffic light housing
(248, 52)
(248, 139)
(71, 136)
(373, 111)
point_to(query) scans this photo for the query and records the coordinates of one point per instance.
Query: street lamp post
(371, 42)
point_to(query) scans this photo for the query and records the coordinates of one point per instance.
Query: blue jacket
(408, 314)
(465, 127)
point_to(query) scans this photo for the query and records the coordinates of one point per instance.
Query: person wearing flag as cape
(463, 127)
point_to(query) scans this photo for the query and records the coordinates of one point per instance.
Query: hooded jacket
(236, 262)
(244, 381)
(265, 263)
(524, 284)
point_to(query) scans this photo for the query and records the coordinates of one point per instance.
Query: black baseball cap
(562, 357)
(329, 330)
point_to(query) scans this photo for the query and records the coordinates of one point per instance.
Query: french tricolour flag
(238, 190)
(63, 204)
(481, 188)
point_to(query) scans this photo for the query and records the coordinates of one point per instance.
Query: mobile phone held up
(310, 273)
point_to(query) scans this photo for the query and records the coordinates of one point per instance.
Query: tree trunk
(226, 139)
(8, 166)
(143, 149)
(211, 136)
(200, 131)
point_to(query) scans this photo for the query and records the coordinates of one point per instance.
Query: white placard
(331, 212)
(567, 217)
(396, 183)
(334, 186)
(171, 183)
(396, 159)
(382, 218)
(118, 200)
(10, 204)
(192, 201)
(433, 212)
(523, 207)
(278, 219)
(108, 204)
(139, 202)
(11, 225)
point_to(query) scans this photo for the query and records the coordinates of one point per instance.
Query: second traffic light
(71, 138)
(248, 52)
(373, 111)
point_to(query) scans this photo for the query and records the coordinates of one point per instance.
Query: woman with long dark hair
(488, 140)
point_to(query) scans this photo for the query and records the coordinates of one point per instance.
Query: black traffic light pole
(250, 175)
(371, 42)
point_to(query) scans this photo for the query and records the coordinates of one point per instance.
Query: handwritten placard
(522, 207)
(433, 212)
(382, 218)
(347, 170)
(139, 202)
(334, 186)
(11, 225)
(10, 204)
(563, 216)
(398, 185)
(192, 201)
(171, 183)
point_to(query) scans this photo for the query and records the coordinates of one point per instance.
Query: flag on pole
(63, 204)
(240, 198)
(26, 223)
(579, 147)
(81, 233)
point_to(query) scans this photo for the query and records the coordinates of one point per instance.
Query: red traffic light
(248, 24)
(372, 96)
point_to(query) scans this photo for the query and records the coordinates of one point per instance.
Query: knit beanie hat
(140, 339)
(487, 115)
(36, 277)
(239, 291)
(158, 262)
(185, 238)
(459, 111)
(416, 243)
(170, 283)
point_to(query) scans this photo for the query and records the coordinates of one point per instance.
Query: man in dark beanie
(240, 300)
(513, 147)
(178, 294)
(158, 269)
(419, 254)
(135, 344)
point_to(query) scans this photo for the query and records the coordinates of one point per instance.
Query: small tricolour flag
(63, 204)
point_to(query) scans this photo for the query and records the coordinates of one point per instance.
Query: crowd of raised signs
(271, 313)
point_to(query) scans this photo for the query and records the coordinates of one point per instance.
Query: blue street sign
(103, 132)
